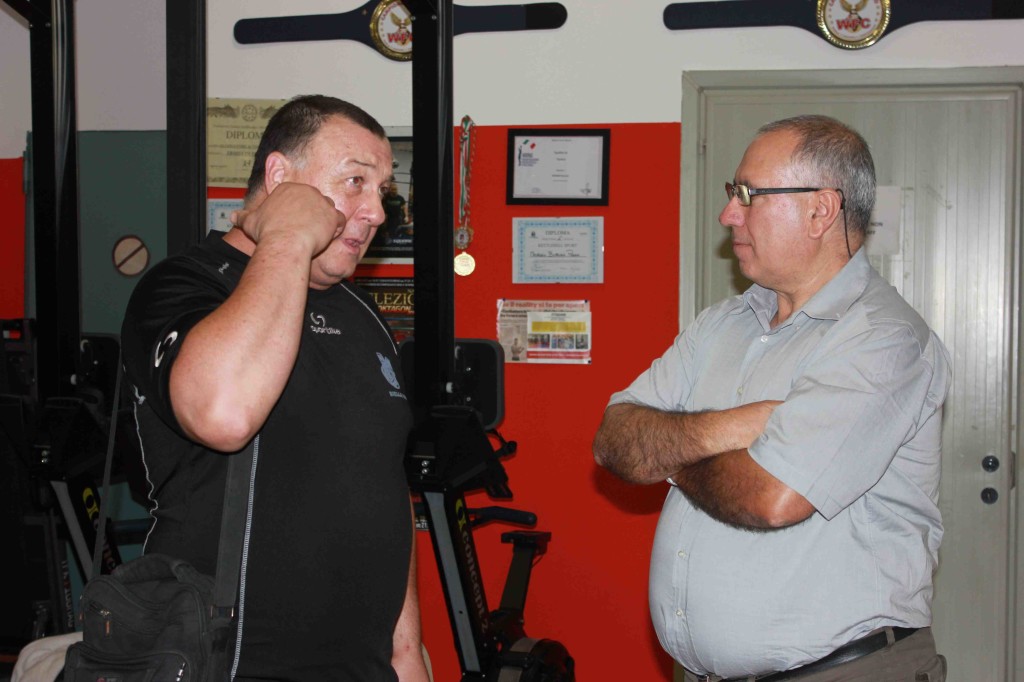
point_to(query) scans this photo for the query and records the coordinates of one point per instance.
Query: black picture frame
(520, 141)
(393, 242)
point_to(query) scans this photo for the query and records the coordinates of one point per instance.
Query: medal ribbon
(465, 169)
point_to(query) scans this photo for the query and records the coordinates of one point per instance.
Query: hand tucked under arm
(642, 444)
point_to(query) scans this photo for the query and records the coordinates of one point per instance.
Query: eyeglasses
(744, 193)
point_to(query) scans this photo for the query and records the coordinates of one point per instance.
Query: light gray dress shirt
(859, 435)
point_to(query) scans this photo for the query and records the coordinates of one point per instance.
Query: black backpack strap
(101, 529)
(241, 469)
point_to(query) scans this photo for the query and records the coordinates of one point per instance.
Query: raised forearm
(233, 365)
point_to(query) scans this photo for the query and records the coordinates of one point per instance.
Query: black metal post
(186, 123)
(54, 193)
(433, 182)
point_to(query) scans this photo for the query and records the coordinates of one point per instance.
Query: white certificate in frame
(558, 166)
(558, 250)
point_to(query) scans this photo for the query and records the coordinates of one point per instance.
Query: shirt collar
(831, 301)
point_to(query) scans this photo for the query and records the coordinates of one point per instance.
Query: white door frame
(697, 85)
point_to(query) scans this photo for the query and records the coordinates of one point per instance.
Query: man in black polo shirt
(257, 332)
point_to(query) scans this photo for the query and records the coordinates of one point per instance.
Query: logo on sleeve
(389, 373)
(163, 347)
(319, 325)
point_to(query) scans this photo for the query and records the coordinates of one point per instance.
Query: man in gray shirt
(799, 427)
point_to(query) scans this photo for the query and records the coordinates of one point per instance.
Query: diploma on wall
(234, 128)
(558, 250)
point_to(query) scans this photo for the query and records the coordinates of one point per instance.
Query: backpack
(151, 620)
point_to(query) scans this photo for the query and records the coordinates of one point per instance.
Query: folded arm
(705, 455)
(734, 489)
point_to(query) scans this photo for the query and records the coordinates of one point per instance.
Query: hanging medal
(464, 262)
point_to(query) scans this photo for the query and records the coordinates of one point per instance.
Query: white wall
(120, 63)
(15, 107)
(613, 61)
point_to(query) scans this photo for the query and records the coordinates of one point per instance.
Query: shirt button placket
(682, 555)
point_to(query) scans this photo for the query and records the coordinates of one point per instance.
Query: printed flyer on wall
(545, 331)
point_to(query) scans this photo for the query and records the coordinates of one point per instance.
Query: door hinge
(1013, 469)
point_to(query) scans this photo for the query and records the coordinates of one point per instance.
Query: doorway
(947, 142)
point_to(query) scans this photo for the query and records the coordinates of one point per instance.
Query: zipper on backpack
(105, 614)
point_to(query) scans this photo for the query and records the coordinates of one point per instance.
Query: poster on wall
(549, 332)
(394, 297)
(234, 128)
(393, 241)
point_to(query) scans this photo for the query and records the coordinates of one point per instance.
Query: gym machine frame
(54, 414)
(451, 452)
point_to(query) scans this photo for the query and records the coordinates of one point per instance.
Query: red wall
(590, 590)
(12, 239)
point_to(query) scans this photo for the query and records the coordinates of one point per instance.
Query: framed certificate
(558, 250)
(558, 166)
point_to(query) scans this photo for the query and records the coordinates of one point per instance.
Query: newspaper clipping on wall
(545, 331)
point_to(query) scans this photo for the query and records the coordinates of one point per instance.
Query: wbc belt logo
(391, 30)
(853, 24)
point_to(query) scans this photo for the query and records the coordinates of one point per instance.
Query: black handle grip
(486, 514)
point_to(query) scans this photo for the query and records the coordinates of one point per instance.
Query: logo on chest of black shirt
(388, 370)
(319, 325)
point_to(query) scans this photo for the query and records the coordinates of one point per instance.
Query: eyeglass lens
(739, 191)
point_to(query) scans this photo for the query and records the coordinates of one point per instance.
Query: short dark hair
(832, 154)
(296, 123)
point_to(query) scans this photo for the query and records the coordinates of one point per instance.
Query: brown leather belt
(858, 648)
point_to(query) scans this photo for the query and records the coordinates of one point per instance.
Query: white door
(952, 150)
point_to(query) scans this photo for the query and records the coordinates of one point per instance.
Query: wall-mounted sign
(849, 24)
(545, 331)
(558, 166)
(391, 30)
(853, 24)
(131, 255)
(390, 24)
(883, 233)
(218, 213)
(558, 250)
(234, 128)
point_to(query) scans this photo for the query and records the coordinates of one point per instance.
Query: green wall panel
(122, 191)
